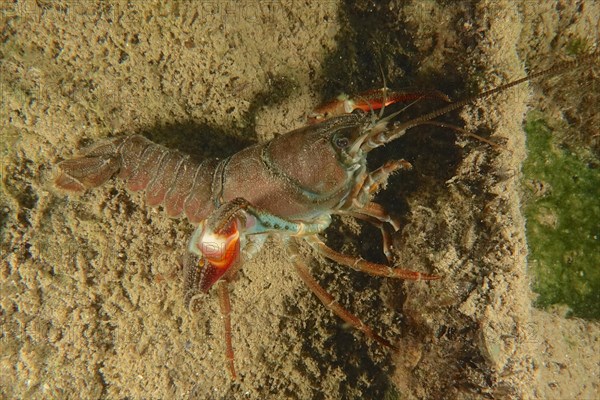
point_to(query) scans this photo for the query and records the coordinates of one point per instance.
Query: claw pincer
(217, 251)
(369, 101)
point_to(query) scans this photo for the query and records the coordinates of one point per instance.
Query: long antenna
(555, 69)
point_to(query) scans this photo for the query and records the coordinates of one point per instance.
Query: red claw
(369, 101)
(219, 250)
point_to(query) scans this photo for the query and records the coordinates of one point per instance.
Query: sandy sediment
(92, 302)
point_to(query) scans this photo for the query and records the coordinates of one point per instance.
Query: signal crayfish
(289, 187)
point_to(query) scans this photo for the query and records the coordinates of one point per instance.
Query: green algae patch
(562, 206)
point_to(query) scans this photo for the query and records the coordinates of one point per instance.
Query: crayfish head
(316, 158)
(354, 136)
(218, 251)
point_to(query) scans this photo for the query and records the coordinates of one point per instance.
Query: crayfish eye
(341, 142)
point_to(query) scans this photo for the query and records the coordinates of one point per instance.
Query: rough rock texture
(91, 300)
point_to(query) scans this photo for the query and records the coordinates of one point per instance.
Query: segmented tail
(97, 166)
(169, 177)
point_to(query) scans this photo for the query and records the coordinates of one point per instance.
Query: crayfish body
(288, 187)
